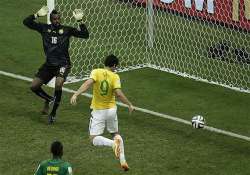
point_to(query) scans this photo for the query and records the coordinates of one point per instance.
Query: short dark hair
(56, 149)
(111, 60)
(53, 12)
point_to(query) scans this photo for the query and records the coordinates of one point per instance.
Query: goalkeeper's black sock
(41, 93)
(57, 99)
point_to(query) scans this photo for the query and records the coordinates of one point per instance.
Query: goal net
(199, 39)
(115, 27)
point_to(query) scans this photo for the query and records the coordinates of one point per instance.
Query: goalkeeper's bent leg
(41, 93)
(36, 88)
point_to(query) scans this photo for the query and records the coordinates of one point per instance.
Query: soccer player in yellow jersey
(106, 87)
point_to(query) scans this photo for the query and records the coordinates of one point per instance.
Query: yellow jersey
(105, 82)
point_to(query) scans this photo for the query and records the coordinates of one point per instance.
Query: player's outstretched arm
(85, 86)
(83, 32)
(120, 95)
(30, 20)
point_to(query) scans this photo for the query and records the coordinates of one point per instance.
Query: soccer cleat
(125, 166)
(116, 147)
(52, 118)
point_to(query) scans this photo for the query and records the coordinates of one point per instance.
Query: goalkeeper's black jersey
(56, 40)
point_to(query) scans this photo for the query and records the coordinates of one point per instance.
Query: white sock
(102, 141)
(122, 153)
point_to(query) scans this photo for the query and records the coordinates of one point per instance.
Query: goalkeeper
(55, 37)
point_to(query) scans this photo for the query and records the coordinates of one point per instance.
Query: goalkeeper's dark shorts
(46, 73)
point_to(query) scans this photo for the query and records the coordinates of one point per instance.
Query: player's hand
(131, 108)
(43, 11)
(73, 99)
(78, 14)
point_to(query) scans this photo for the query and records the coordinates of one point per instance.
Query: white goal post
(191, 38)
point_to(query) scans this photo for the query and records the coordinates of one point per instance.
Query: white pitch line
(20, 77)
(209, 128)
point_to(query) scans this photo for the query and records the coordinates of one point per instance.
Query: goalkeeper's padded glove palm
(43, 11)
(78, 14)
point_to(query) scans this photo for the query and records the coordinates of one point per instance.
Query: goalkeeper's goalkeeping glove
(42, 12)
(78, 14)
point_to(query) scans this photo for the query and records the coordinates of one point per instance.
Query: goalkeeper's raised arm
(30, 20)
(83, 32)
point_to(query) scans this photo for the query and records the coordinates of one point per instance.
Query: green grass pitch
(153, 146)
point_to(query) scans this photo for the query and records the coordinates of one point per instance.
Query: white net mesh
(201, 41)
(200, 49)
(112, 30)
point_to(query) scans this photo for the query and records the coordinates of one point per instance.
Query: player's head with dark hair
(111, 61)
(55, 18)
(57, 149)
